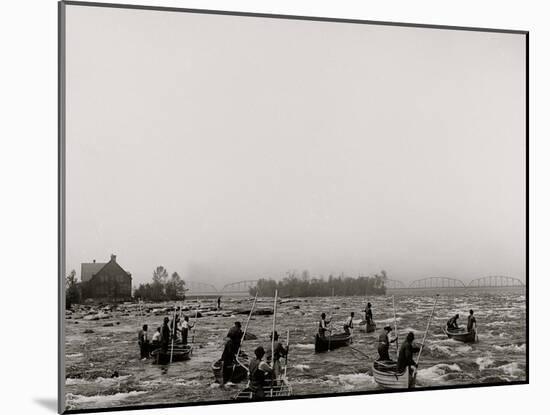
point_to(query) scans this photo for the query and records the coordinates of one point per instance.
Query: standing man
(258, 371)
(405, 358)
(165, 335)
(227, 355)
(368, 314)
(143, 342)
(472, 324)
(235, 334)
(384, 344)
(185, 326)
(219, 303)
(278, 351)
(155, 341)
(349, 323)
(323, 325)
(175, 325)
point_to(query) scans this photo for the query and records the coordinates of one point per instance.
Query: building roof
(89, 269)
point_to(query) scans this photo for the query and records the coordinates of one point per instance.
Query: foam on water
(351, 380)
(510, 348)
(78, 399)
(437, 349)
(415, 331)
(464, 349)
(512, 369)
(484, 362)
(73, 355)
(99, 380)
(437, 372)
(306, 346)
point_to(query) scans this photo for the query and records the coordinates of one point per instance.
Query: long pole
(173, 334)
(273, 330)
(330, 322)
(244, 332)
(287, 348)
(194, 324)
(426, 332)
(395, 325)
(273, 341)
(247, 322)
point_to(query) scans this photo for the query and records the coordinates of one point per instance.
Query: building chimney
(113, 257)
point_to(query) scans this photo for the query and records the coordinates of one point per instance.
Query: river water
(92, 358)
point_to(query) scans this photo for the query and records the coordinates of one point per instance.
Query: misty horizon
(228, 149)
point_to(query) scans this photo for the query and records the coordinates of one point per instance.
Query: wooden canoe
(322, 344)
(283, 389)
(461, 335)
(386, 375)
(179, 353)
(234, 372)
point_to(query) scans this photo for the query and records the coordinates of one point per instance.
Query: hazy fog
(229, 148)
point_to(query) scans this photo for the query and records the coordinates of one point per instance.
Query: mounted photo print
(266, 207)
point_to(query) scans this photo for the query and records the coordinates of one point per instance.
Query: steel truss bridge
(443, 283)
(242, 288)
(195, 288)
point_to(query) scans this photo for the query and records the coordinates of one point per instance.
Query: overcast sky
(229, 148)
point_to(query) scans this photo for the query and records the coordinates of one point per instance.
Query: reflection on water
(500, 355)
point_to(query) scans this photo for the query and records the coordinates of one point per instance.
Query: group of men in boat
(407, 349)
(260, 371)
(452, 323)
(324, 324)
(405, 355)
(164, 335)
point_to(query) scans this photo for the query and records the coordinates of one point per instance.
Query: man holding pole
(368, 314)
(323, 325)
(472, 324)
(235, 334)
(349, 323)
(384, 344)
(405, 358)
(165, 335)
(258, 369)
(278, 351)
(185, 326)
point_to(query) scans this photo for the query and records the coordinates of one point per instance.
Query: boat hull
(179, 353)
(323, 344)
(369, 328)
(461, 335)
(386, 375)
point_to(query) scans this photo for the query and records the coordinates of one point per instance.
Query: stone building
(105, 280)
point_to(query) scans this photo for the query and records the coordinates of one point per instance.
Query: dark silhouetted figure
(384, 344)
(258, 371)
(405, 358)
(452, 323)
(143, 342)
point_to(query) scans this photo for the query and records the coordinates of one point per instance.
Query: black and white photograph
(263, 207)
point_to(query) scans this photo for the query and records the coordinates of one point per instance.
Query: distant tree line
(162, 287)
(72, 290)
(295, 285)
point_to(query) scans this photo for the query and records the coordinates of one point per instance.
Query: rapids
(92, 358)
